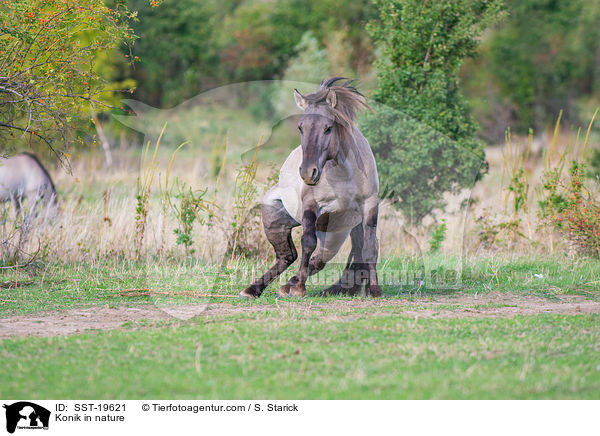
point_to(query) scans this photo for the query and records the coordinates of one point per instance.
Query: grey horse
(328, 185)
(23, 176)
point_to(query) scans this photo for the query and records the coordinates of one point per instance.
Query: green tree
(48, 64)
(311, 64)
(422, 133)
(544, 58)
(188, 46)
(178, 48)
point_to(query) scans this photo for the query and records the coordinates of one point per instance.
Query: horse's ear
(300, 100)
(331, 99)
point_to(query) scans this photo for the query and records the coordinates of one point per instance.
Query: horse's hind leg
(370, 250)
(278, 226)
(361, 269)
(349, 282)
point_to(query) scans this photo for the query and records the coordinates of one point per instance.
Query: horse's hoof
(298, 291)
(284, 291)
(329, 292)
(334, 289)
(247, 293)
(375, 291)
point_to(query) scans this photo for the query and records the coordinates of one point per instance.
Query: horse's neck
(343, 164)
(349, 153)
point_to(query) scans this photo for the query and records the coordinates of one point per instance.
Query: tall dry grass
(100, 218)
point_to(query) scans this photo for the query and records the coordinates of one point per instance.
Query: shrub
(495, 232)
(422, 134)
(438, 236)
(572, 208)
(51, 56)
(191, 206)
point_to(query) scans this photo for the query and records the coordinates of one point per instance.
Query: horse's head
(325, 127)
(317, 135)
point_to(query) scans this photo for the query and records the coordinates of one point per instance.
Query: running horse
(329, 185)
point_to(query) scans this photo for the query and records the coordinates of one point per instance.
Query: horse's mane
(349, 99)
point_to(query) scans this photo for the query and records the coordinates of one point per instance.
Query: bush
(422, 133)
(418, 164)
(190, 209)
(542, 61)
(572, 208)
(54, 56)
(438, 236)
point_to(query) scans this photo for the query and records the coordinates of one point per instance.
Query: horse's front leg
(296, 286)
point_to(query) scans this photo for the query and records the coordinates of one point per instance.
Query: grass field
(512, 328)
(304, 356)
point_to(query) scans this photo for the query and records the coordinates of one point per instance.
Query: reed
(144, 184)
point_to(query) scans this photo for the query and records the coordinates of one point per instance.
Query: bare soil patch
(456, 306)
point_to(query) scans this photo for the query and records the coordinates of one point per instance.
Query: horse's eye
(328, 130)
(300, 128)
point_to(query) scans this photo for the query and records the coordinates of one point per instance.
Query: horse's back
(24, 175)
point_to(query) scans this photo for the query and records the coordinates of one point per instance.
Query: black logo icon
(26, 415)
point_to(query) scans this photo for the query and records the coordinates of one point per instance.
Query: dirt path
(101, 318)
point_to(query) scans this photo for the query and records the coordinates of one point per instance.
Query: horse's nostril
(310, 174)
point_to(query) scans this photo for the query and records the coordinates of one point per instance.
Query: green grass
(62, 286)
(295, 356)
(310, 349)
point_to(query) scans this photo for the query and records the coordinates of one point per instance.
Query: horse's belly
(338, 221)
(10, 187)
(13, 178)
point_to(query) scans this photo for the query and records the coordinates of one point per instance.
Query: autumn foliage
(573, 209)
(49, 54)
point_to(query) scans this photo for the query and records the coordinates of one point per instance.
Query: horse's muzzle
(311, 175)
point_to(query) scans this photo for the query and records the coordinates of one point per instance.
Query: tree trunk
(103, 139)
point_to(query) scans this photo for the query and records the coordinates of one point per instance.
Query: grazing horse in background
(329, 185)
(23, 176)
